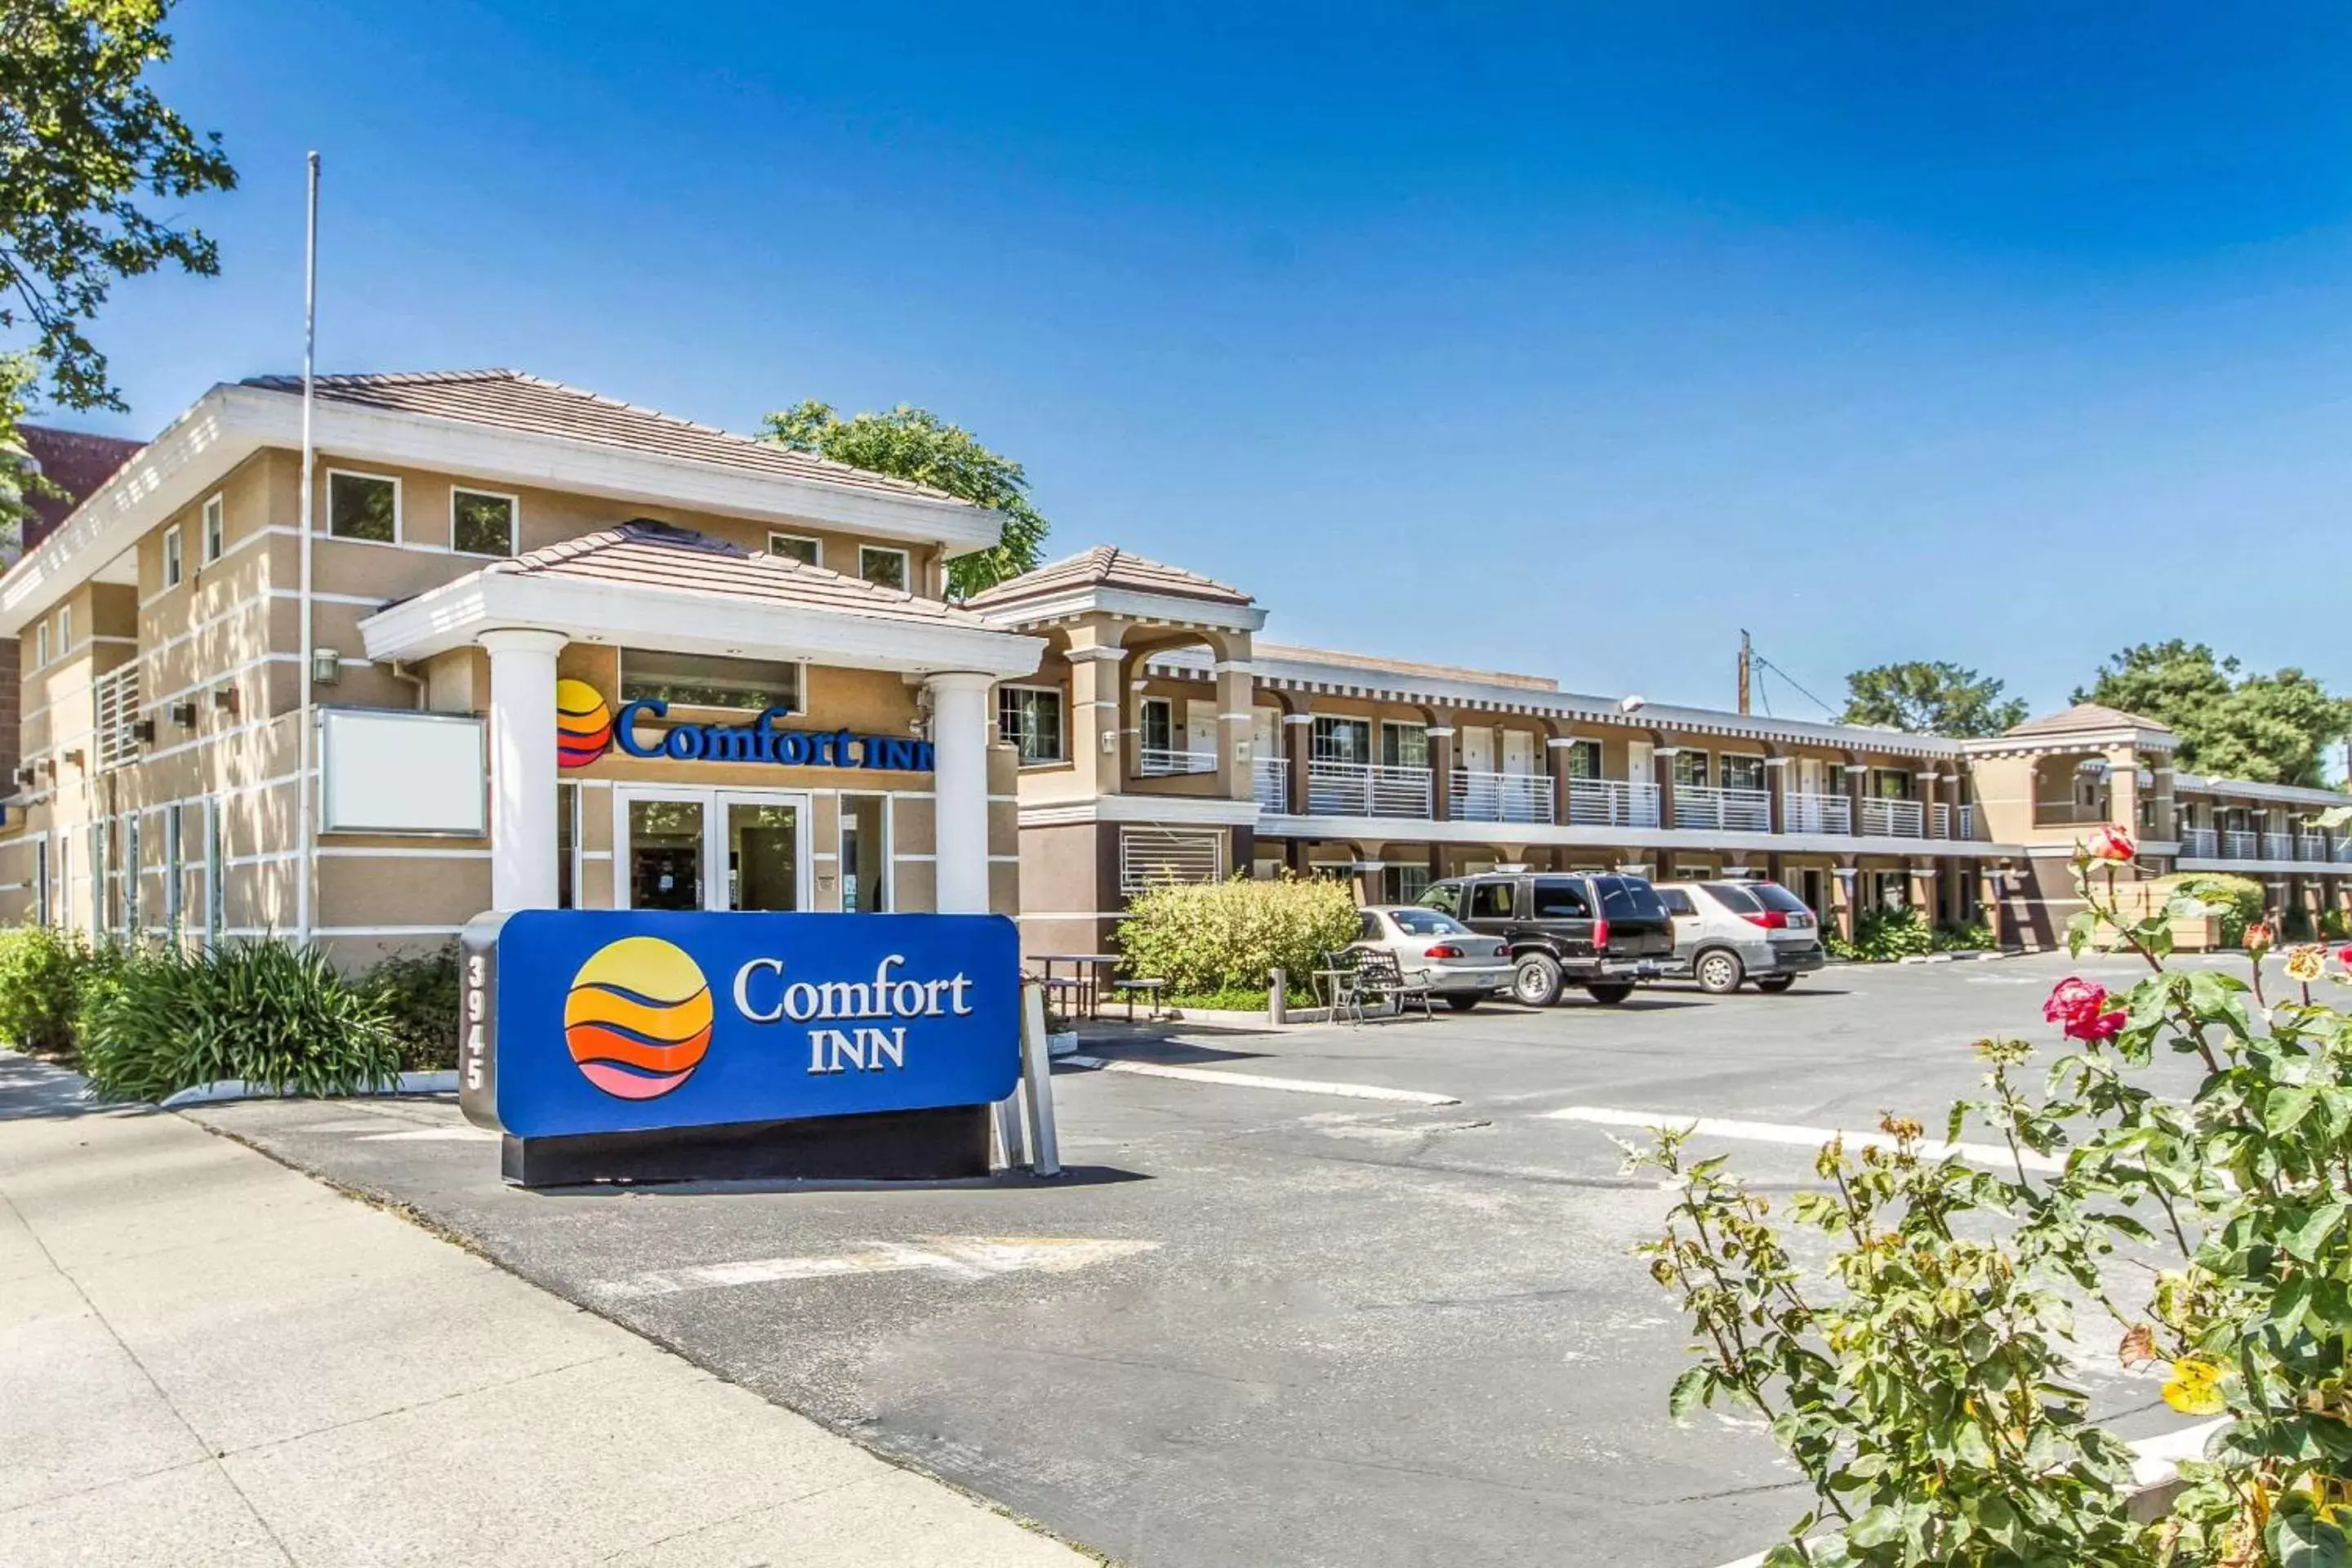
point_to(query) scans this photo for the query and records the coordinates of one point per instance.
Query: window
(175, 872)
(216, 875)
(1159, 724)
(134, 871)
(1404, 746)
(1892, 889)
(174, 566)
(1444, 896)
(212, 531)
(792, 547)
(1149, 857)
(567, 846)
(1734, 898)
(1890, 783)
(1690, 768)
(481, 523)
(1743, 772)
(1584, 758)
(1029, 719)
(1561, 898)
(40, 881)
(1341, 739)
(698, 680)
(41, 645)
(65, 631)
(1677, 901)
(1493, 901)
(1629, 898)
(883, 568)
(1774, 896)
(1368, 926)
(1426, 922)
(865, 854)
(1404, 885)
(364, 506)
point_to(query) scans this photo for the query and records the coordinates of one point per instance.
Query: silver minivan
(1729, 932)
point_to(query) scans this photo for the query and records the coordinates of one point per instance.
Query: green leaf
(2301, 1541)
(1693, 1386)
(1876, 1527)
(2308, 1237)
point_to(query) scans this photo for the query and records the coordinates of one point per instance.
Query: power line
(1767, 664)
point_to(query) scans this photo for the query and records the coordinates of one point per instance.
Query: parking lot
(1380, 1313)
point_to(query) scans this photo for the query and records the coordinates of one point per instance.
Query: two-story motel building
(564, 651)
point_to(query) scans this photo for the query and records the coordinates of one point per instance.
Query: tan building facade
(482, 542)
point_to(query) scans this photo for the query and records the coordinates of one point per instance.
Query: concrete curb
(227, 1089)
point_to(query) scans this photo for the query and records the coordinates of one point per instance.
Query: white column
(522, 767)
(960, 731)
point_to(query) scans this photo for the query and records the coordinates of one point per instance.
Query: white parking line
(963, 1257)
(1809, 1137)
(1256, 1080)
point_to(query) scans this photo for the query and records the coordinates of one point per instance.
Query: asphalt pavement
(1271, 1323)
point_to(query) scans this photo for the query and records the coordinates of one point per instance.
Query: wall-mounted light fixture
(184, 714)
(225, 699)
(326, 666)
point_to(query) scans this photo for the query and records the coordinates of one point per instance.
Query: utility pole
(1746, 659)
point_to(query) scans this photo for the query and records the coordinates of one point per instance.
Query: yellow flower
(2307, 963)
(2195, 1388)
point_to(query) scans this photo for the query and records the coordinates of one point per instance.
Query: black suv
(1597, 930)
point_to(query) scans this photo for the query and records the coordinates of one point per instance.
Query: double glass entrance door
(711, 850)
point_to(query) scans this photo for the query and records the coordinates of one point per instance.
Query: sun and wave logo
(584, 724)
(638, 1017)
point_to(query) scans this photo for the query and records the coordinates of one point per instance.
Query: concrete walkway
(207, 1358)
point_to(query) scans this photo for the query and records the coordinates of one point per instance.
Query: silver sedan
(1463, 968)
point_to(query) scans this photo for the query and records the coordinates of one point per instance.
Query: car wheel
(1536, 982)
(1719, 972)
(1608, 993)
(1463, 1003)
(1776, 983)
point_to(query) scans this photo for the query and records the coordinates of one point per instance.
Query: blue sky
(1557, 339)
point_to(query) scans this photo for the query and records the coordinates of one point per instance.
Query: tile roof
(512, 401)
(663, 556)
(77, 462)
(1107, 566)
(2086, 716)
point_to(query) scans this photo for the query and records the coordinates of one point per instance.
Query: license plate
(1800, 923)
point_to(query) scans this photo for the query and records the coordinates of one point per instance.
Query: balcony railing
(117, 693)
(1723, 810)
(1968, 822)
(1940, 817)
(1892, 818)
(2311, 847)
(1500, 797)
(2277, 846)
(1612, 803)
(1270, 783)
(2241, 846)
(1804, 813)
(2201, 842)
(1158, 762)
(1364, 789)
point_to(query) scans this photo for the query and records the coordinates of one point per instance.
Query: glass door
(765, 866)
(662, 836)
(712, 849)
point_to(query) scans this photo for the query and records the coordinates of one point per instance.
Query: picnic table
(1083, 986)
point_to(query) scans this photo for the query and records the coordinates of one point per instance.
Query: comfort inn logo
(638, 1017)
(584, 725)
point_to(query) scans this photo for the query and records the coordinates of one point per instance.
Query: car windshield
(1777, 896)
(1426, 922)
(1446, 896)
(1734, 897)
(1629, 898)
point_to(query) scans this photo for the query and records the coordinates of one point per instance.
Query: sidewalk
(207, 1358)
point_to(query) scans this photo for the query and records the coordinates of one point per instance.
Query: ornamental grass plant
(1921, 1378)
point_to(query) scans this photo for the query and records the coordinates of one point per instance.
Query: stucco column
(1236, 688)
(1662, 769)
(1095, 704)
(1848, 880)
(1440, 771)
(2123, 789)
(1556, 755)
(522, 767)
(1988, 898)
(960, 734)
(1857, 787)
(1299, 740)
(1776, 791)
(1923, 786)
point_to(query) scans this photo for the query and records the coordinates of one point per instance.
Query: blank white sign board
(385, 772)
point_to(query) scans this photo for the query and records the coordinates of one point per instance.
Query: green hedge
(1963, 936)
(421, 995)
(1229, 936)
(43, 970)
(2241, 900)
(1881, 936)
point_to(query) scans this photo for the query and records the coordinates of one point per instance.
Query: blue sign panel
(588, 1021)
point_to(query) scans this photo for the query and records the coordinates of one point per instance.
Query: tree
(917, 444)
(83, 142)
(1929, 699)
(2270, 728)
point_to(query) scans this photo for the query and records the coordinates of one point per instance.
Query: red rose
(2343, 956)
(2080, 1007)
(2259, 938)
(2111, 844)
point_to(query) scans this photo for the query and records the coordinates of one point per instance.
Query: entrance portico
(574, 612)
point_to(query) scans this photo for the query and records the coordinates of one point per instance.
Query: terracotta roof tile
(2086, 716)
(1107, 566)
(77, 462)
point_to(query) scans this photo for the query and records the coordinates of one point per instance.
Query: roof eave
(1174, 609)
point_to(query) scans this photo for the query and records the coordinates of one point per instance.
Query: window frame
(514, 522)
(1330, 724)
(816, 547)
(1762, 775)
(1393, 733)
(65, 630)
(798, 667)
(399, 521)
(212, 530)
(1061, 756)
(176, 558)
(1165, 708)
(905, 566)
(1697, 763)
(41, 644)
(1583, 746)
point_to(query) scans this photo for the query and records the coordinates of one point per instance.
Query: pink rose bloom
(2111, 844)
(2080, 1007)
(2259, 938)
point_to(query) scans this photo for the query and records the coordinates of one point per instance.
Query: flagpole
(306, 858)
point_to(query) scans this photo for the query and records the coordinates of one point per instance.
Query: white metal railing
(2277, 846)
(2201, 841)
(2236, 846)
(1968, 822)
(1801, 812)
(116, 692)
(1613, 803)
(1148, 856)
(1160, 761)
(1365, 789)
(1725, 810)
(1500, 797)
(1270, 783)
(1941, 818)
(1883, 818)
(2310, 847)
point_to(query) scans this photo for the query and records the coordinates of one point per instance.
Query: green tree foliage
(1929, 698)
(1230, 936)
(2272, 728)
(916, 444)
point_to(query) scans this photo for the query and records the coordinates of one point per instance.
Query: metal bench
(1379, 974)
(1149, 990)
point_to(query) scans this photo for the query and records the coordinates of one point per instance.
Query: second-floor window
(1690, 768)
(796, 547)
(1159, 724)
(481, 522)
(1890, 783)
(1743, 772)
(40, 644)
(1584, 760)
(883, 568)
(175, 564)
(364, 506)
(699, 680)
(212, 531)
(1341, 739)
(1404, 746)
(1029, 719)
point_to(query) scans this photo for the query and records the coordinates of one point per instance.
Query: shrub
(268, 1011)
(1241, 999)
(1205, 937)
(1881, 936)
(2335, 925)
(2241, 900)
(420, 995)
(43, 970)
(1963, 936)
